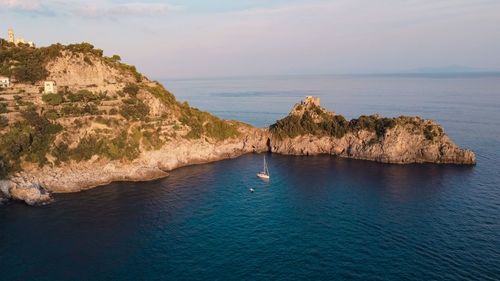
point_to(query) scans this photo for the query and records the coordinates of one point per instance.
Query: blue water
(318, 218)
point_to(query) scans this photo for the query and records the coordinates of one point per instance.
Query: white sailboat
(265, 173)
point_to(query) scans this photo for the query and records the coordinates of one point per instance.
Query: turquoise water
(318, 218)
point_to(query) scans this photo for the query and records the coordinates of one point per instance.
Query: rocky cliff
(107, 122)
(310, 130)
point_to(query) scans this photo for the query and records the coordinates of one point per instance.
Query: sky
(222, 38)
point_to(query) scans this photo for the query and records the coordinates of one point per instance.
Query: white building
(50, 86)
(19, 39)
(4, 82)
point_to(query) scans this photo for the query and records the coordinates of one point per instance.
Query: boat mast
(266, 170)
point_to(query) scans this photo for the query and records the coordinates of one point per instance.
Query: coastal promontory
(72, 119)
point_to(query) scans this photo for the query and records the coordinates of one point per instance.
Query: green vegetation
(87, 60)
(131, 89)
(134, 109)
(131, 68)
(53, 99)
(27, 64)
(162, 94)
(51, 115)
(86, 148)
(152, 140)
(123, 146)
(294, 125)
(371, 123)
(3, 108)
(116, 58)
(430, 133)
(29, 139)
(87, 96)
(76, 110)
(24, 63)
(202, 122)
(84, 48)
(334, 126)
(4, 122)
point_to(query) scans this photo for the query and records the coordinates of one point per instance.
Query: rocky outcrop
(20, 188)
(399, 140)
(77, 71)
(398, 147)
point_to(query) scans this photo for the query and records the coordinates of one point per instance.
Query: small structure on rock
(311, 100)
(11, 36)
(4, 82)
(49, 86)
(19, 39)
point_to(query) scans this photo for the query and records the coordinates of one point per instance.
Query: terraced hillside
(102, 109)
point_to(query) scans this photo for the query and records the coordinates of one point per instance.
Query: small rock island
(72, 119)
(310, 129)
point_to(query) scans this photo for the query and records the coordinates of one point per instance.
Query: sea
(317, 218)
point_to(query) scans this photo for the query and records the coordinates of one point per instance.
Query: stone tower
(310, 99)
(11, 36)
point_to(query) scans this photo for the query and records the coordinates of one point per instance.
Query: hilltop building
(49, 86)
(19, 39)
(313, 100)
(4, 82)
(11, 36)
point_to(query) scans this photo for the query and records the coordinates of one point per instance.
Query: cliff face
(399, 147)
(399, 140)
(78, 70)
(109, 123)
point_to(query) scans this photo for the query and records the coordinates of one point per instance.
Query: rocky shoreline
(399, 147)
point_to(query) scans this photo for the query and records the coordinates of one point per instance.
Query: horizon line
(451, 74)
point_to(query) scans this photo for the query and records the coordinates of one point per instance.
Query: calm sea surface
(318, 218)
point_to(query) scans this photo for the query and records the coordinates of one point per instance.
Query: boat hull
(263, 176)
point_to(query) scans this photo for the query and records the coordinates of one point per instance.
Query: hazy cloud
(28, 5)
(88, 8)
(221, 37)
(126, 10)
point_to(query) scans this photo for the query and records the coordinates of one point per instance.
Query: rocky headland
(107, 122)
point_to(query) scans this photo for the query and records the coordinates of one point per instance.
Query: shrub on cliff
(87, 95)
(3, 108)
(52, 99)
(202, 122)
(372, 124)
(162, 94)
(4, 122)
(122, 146)
(86, 148)
(328, 125)
(27, 64)
(134, 109)
(131, 89)
(152, 140)
(29, 138)
(85, 48)
(220, 129)
(51, 115)
(430, 133)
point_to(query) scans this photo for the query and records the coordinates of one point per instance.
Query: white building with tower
(19, 39)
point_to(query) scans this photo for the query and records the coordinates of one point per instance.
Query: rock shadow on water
(401, 182)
